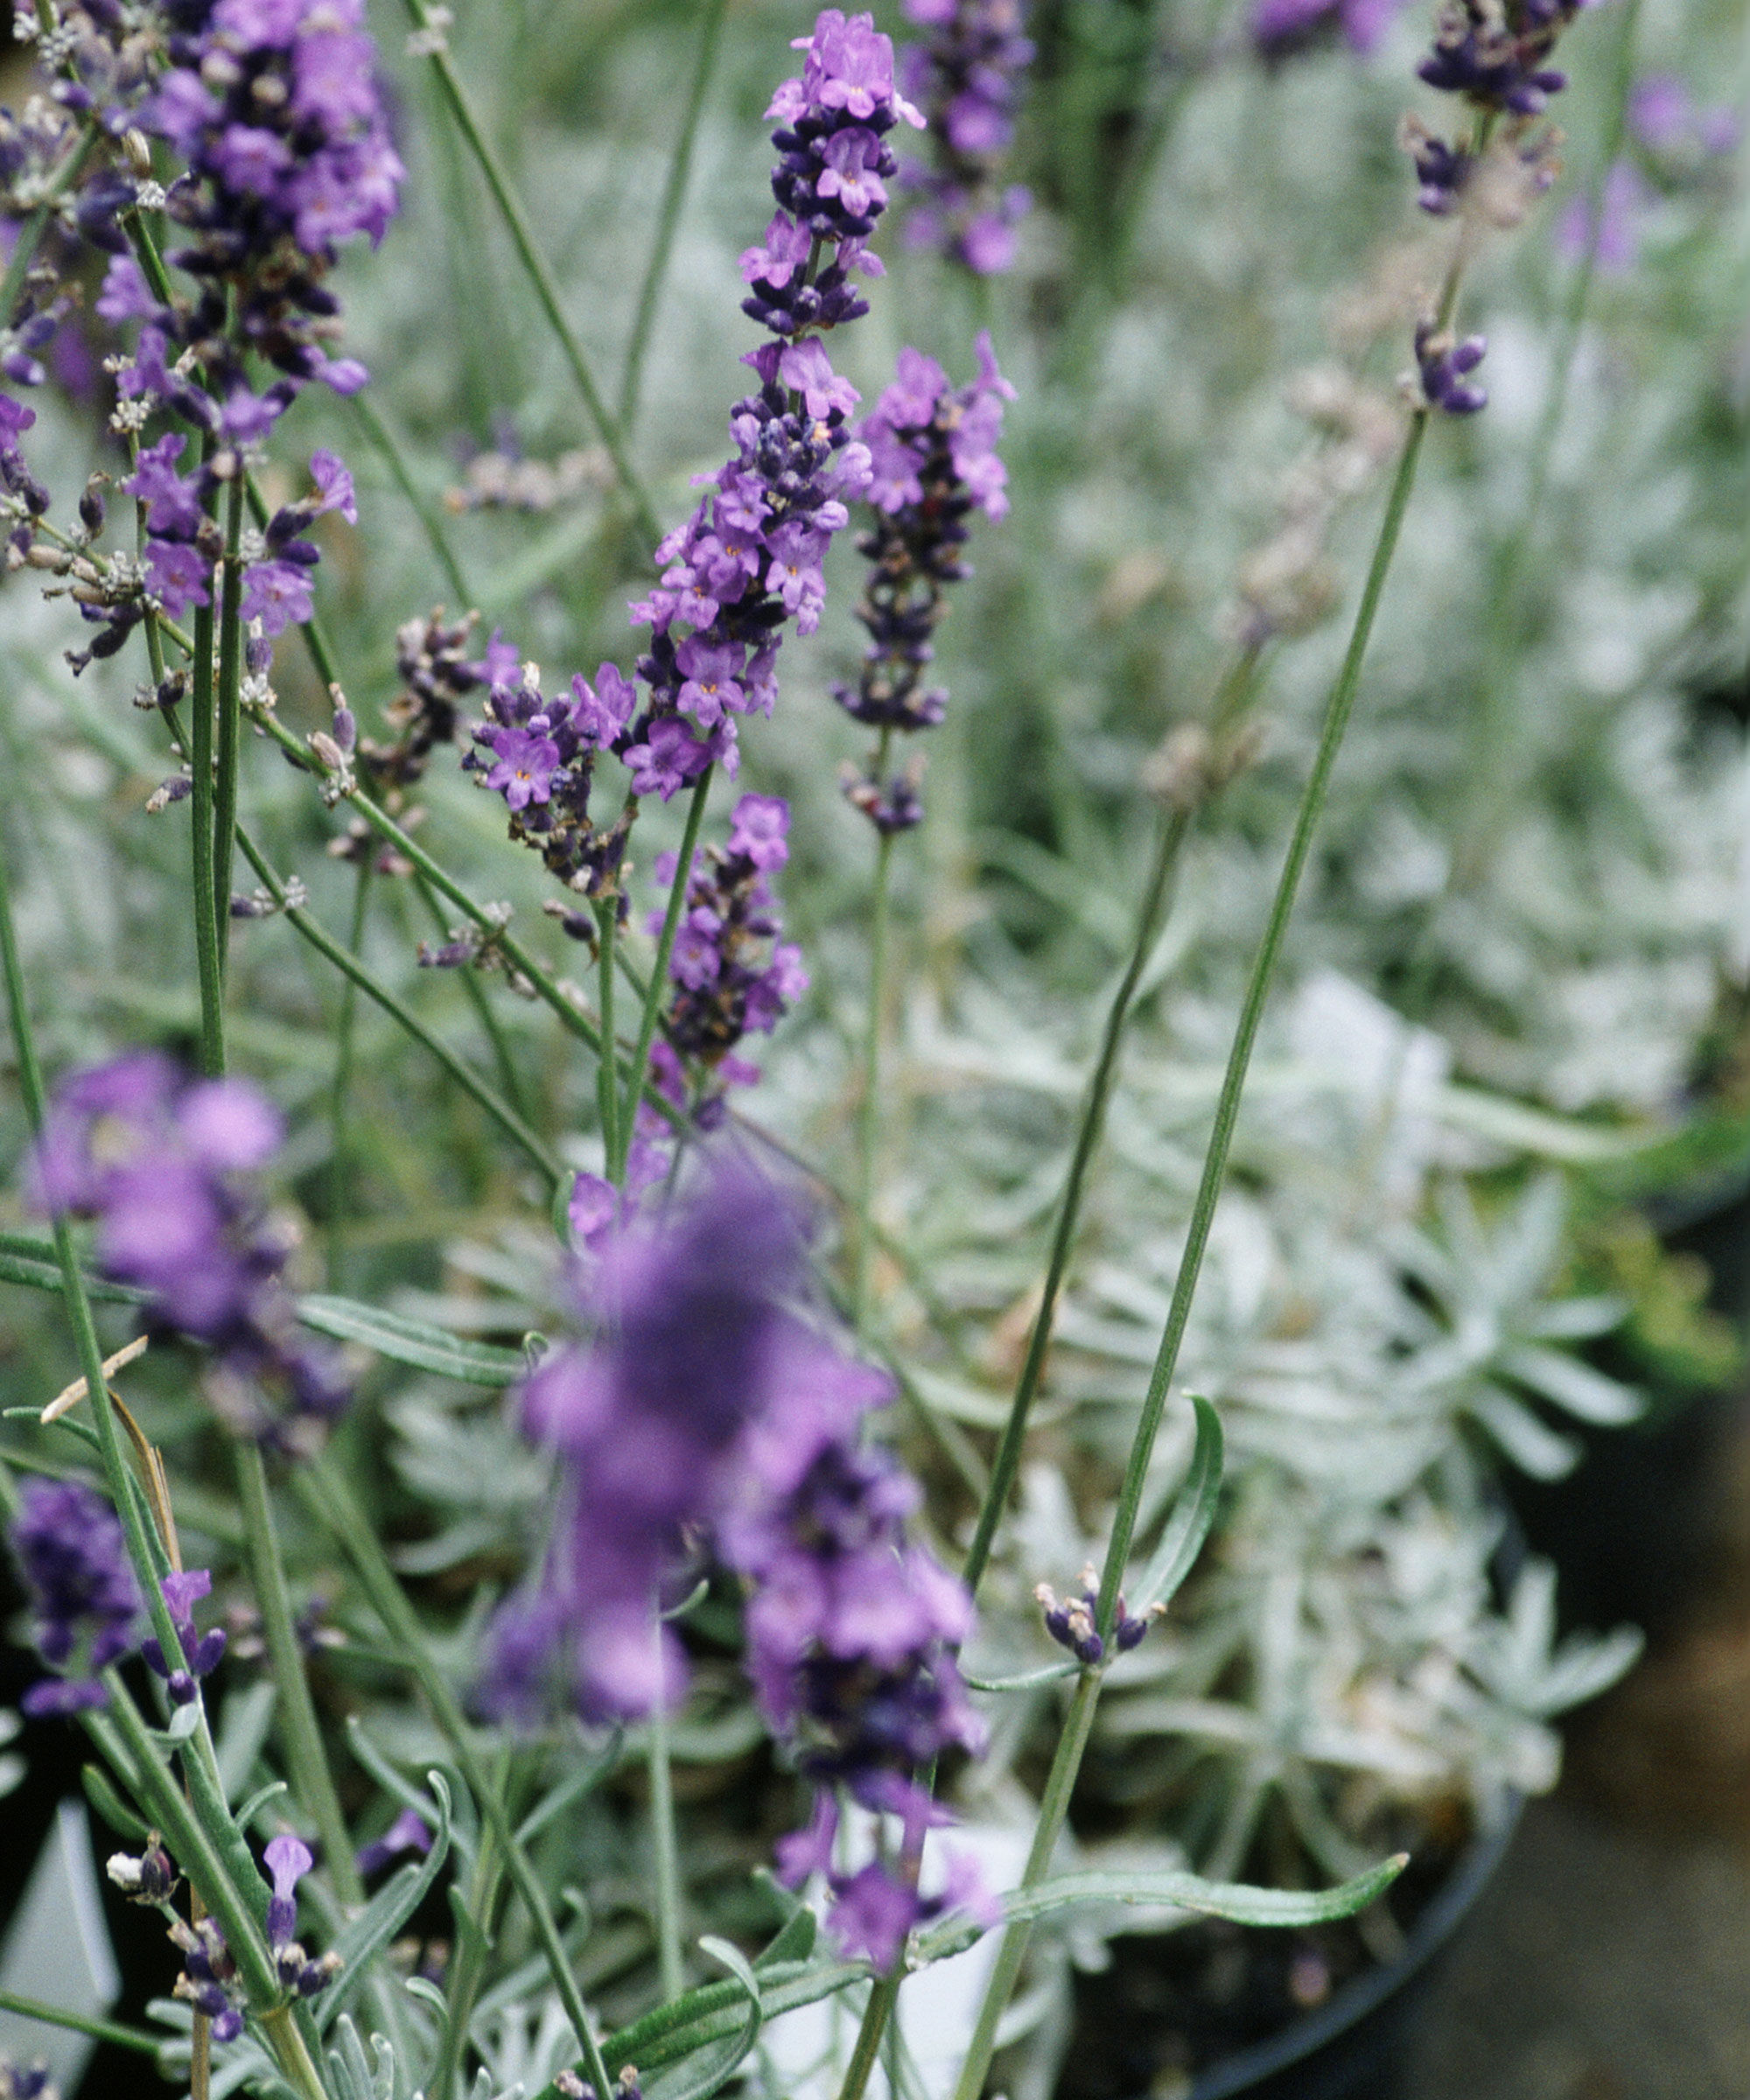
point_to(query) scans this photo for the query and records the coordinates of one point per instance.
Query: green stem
(539, 274)
(30, 239)
(331, 1500)
(869, 1120)
(208, 949)
(1251, 1012)
(344, 1033)
(607, 1092)
(665, 942)
(1174, 825)
(674, 194)
(300, 1731)
(100, 2030)
(1053, 1809)
(669, 1967)
(229, 709)
(421, 505)
(325, 943)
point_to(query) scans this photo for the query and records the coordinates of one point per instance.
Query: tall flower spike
(967, 74)
(933, 454)
(749, 561)
(645, 1423)
(161, 1161)
(850, 1629)
(85, 1602)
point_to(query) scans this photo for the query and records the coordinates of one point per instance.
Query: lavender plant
(746, 1575)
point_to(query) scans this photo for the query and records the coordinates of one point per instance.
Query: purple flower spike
(1443, 366)
(967, 73)
(1492, 53)
(155, 1157)
(84, 1600)
(204, 1652)
(934, 449)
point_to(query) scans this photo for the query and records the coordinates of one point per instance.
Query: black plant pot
(1357, 2045)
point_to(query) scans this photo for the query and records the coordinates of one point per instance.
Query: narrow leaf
(388, 1911)
(412, 1342)
(1028, 1681)
(1237, 1900)
(1193, 1513)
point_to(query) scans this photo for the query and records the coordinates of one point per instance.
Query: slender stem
(208, 952)
(507, 1076)
(100, 2030)
(1174, 825)
(331, 1500)
(868, 1122)
(1252, 1011)
(300, 1731)
(229, 709)
(1054, 1808)
(538, 272)
(320, 939)
(30, 237)
(669, 1967)
(344, 1032)
(665, 942)
(674, 195)
(421, 505)
(607, 1094)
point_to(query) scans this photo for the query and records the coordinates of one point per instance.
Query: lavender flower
(1493, 51)
(158, 1159)
(933, 454)
(539, 753)
(749, 560)
(1666, 119)
(1442, 368)
(209, 1980)
(407, 1833)
(1614, 241)
(1074, 1623)
(966, 75)
(645, 1423)
(150, 1878)
(85, 1603)
(1282, 28)
(274, 106)
(727, 981)
(850, 1629)
(204, 1651)
(288, 1860)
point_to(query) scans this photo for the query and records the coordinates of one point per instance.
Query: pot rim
(1440, 1919)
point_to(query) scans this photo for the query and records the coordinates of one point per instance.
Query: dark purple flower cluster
(933, 450)
(1444, 367)
(646, 1424)
(1281, 29)
(209, 1980)
(1074, 1623)
(85, 1602)
(850, 1629)
(158, 1159)
(1494, 52)
(149, 1876)
(288, 1860)
(750, 558)
(539, 752)
(183, 540)
(431, 656)
(728, 982)
(966, 76)
(274, 106)
(203, 1652)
